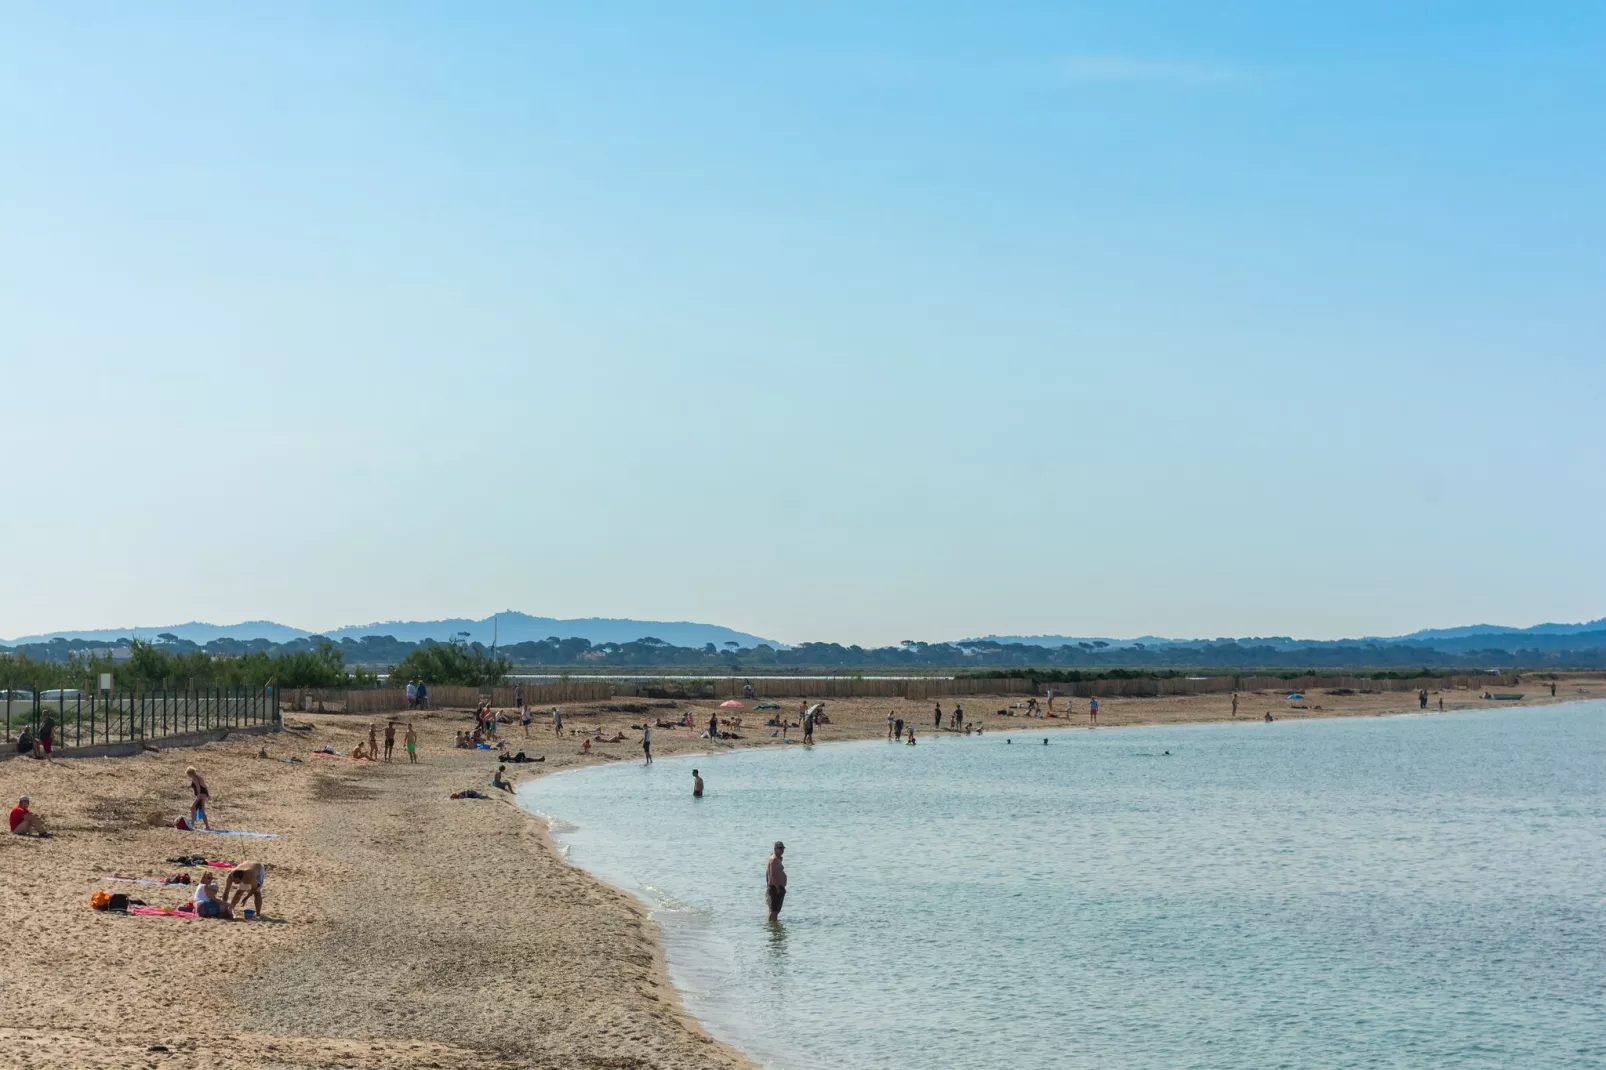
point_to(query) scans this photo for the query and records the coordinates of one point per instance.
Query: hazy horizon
(865, 323)
(380, 626)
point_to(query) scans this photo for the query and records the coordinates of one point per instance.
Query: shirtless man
(411, 739)
(244, 880)
(390, 738)
(775, 882)
(696, 785)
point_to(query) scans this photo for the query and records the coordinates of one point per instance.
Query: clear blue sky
(852, 321)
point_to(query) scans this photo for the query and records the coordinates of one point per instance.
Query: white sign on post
(105, 681)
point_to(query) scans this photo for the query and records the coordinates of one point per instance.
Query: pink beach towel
(161, 912)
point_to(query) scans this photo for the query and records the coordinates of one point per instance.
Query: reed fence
(392, 700)
(441, 696)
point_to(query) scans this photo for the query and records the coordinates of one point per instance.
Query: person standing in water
(696, 785)
(775, 882)
(897, 727)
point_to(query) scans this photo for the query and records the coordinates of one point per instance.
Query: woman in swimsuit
(203, 798)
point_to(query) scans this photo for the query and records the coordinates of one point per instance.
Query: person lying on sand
(24, 822)
(207, 903)
(244, 880)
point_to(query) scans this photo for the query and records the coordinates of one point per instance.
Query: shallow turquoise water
(1403, 891)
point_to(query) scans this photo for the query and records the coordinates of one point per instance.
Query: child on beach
(412, 744)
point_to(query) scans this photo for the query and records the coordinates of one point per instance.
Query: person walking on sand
(696, 785)
(24, 822)
(713, 725)
(411, 739)
(202, 799)
(390, 738)
(557, 721)
(1422, 699)
(1093, 710)
(373, 739)
(936, 718)
(1235, 704)
(889, 726)
(808, 728)
(646, 743)
(959, 716)
(412, 694)
(775, 882)
(423, 696)
(897, 726)
(525, 719)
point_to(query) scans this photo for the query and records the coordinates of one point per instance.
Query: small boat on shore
(1505, 696)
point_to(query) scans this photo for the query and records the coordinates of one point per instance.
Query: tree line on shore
(320, 662)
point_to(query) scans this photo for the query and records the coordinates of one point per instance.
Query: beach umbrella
(732, 704)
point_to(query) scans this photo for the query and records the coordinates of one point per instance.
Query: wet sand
(404, 928)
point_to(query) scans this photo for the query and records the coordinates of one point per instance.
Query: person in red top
(25, 822)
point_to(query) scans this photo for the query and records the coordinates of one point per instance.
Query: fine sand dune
(403, 928)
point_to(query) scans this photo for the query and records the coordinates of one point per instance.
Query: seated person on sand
(499, 779)
(24, 822)
(244, 880)
(359, 754)
(585, 745)
(26, 744)
(207, 903)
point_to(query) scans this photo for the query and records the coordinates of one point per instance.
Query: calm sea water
(1402, 892)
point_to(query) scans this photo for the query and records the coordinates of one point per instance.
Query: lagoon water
(1423, 891)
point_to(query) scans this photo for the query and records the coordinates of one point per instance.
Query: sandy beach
(402, 928)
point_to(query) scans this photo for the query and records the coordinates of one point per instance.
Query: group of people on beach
(371, 752)
(417, 695)
(243, 882)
